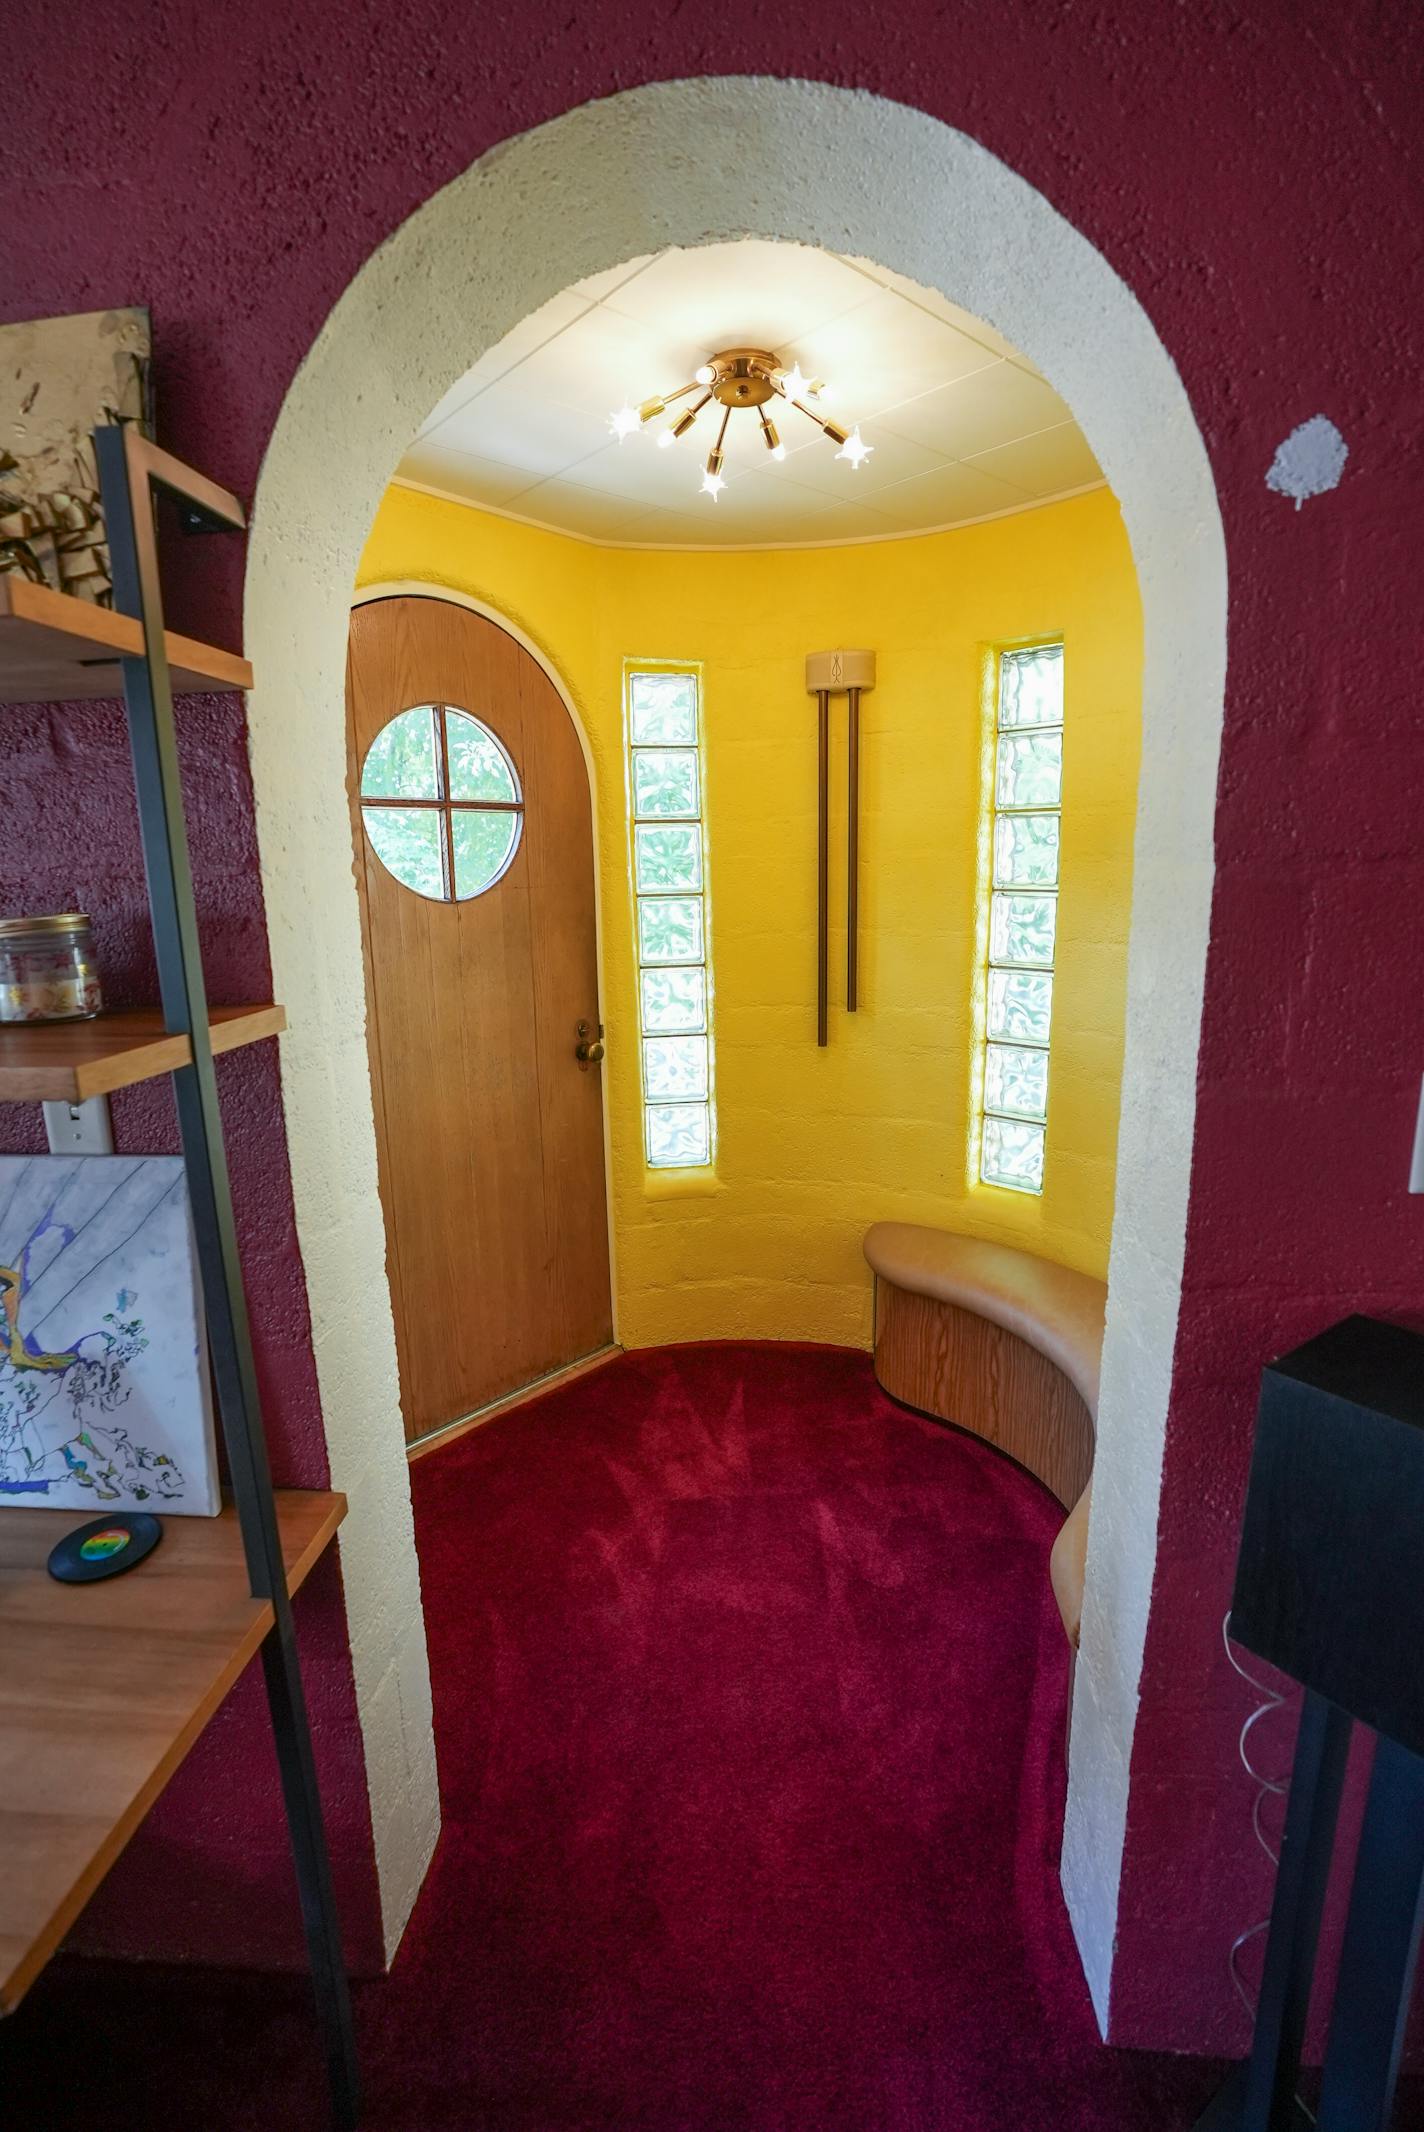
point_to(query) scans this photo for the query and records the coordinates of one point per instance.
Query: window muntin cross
(441, 803)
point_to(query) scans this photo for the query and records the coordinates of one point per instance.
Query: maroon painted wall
(1252, 172)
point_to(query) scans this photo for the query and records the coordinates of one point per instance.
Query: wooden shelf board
(103, 1690)
(58, 649)
(67, 1062)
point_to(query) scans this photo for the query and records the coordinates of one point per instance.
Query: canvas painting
(105, 1400)
(59, 379)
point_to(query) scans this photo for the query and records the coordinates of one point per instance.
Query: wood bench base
(958, 1367)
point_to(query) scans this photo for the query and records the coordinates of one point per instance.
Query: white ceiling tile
(609, 360)
(976, 413)
(591, 511)
(527, 427)
(531, 333)
(1054, 459)
(638, 471)
(464, 473)
(944, 496)
(747, 294)
(891, 459)
(520, 428)
(883, 352)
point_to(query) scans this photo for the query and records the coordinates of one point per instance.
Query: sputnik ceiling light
(740, 378)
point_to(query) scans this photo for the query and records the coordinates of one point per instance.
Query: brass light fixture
(748, 378)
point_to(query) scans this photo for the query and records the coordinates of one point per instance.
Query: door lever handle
(589, 1048)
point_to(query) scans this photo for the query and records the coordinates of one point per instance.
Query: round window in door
(441, 803)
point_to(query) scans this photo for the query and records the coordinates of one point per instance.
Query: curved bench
(1006, 1345)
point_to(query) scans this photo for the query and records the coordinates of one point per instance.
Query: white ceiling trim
(745, 547)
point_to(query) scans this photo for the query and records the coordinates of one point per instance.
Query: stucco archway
(658, 166)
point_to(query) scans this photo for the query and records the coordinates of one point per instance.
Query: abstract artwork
(59, 379)
(104, 1394)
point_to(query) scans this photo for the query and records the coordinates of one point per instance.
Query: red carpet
(749, 1700)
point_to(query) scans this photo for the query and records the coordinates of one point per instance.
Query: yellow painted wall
(814, 1145)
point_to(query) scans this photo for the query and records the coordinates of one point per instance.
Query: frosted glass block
(674, 999)
(1030, 770)
(1026, 851)
(675, 1068)
(665, 781)
(679, 1136)
(479, 767)
(1031, 686)
(408, 843)
(669, 929)
(1012, 1155)
(484, 843)
(1021, 928)
(401, 762)
(668, 858)
(1020, 1004)
(662, 707)
(1016, 1080)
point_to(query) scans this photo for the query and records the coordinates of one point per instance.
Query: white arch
(661, 165)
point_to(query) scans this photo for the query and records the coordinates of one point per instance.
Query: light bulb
(793, 384)
(623, 423)
(855, 448)
(778, 451)
(712, 485)
(665, 438)
(706, 375)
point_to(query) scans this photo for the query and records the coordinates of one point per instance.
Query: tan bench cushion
(1056, 1310)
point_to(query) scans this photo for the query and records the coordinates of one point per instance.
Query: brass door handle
(589, 1048)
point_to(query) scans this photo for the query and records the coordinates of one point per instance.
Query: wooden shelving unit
(104, 1688)
(68, 1062)
(56, 649)
(102, 1693)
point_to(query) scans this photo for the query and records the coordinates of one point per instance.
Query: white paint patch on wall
(853, 173)
(1310, 461)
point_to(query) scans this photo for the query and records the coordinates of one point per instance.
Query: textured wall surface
(812, 1146)
(1252, 173)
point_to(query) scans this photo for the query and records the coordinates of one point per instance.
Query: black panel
(1330, 1575)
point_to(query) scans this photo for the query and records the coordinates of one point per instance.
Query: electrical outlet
(79, 1128)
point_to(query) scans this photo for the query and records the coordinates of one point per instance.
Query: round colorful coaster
(105, 1547)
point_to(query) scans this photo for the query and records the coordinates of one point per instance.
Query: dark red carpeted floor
(749, 1701)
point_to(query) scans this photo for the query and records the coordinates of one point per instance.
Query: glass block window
(1025, 803)
(441, 803)
(670, 916)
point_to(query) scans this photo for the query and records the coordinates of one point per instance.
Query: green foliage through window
(670, 901)
(441, 803)
(1025, 804)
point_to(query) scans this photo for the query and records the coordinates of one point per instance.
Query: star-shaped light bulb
(665, 438)
(623, 421)
(855, 448)
(793, 384)
(713, 485)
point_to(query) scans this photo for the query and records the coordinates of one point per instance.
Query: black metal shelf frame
(131, 472)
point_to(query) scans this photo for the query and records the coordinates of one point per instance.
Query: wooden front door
(474, 844)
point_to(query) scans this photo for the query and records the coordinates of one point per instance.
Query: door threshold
(550, 1382)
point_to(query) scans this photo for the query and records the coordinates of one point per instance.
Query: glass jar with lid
(47, 969)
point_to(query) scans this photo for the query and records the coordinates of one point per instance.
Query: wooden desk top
(103, 1690)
